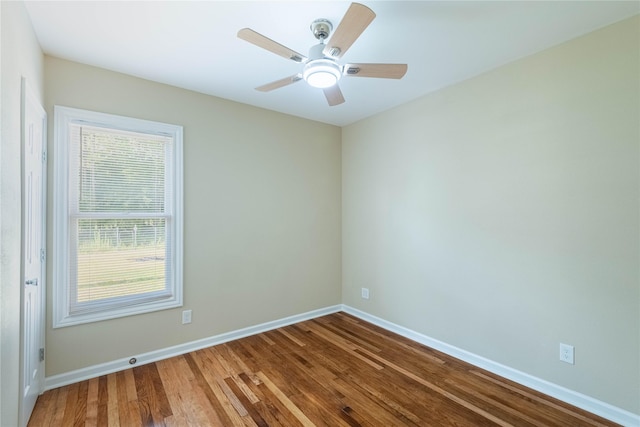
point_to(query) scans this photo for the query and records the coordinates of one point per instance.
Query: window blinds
(119, 213)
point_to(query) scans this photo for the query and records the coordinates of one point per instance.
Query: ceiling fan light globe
(322, 73)
(321, 79)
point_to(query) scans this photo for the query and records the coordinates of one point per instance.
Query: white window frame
(63, 118)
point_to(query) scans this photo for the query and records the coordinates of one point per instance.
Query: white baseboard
(582, 401)
(165, 353)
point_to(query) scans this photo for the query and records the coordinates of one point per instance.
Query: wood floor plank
(272, 410)
(217, 373)
(103, 401)
(464, 403)
(92, 403)
(251, 410)
(123, 414)
(291, 336)
(70, 407)
(342, 343)
(81, 404)
(299, 384)
(265, 338)
(188, 404)
(380, 391)
(143, 391)
(130, 385)
(376, 410)
(173, 384)
(308, 392)
(376, 334)
(240, 362)
(300, 416)
(152, 400)
(60, 405)
(360, 339)
(207, 382)
(233, 370)
(112, 402)
(133, 408)
(332, 371)
(530, 395)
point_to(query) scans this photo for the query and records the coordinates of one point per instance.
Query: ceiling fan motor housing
(320, 71)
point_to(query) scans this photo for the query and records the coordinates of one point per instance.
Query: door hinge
(44, 156)
(42, 354)
(42, 255)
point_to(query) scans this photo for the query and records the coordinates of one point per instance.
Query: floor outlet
(566, 353)
(186, 317)
(365, 293)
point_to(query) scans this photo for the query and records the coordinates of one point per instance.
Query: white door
(34, 121)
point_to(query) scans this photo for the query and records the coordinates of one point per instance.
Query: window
(117, 216)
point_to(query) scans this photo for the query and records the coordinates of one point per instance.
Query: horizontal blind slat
(119, 215)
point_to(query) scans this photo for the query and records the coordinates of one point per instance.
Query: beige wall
(501, 216)
(21, 57)
(262, 210)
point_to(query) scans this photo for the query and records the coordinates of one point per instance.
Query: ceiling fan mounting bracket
(321, 28)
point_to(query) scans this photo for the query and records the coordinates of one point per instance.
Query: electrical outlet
(566, 353)
(186, 317)
(365, 293)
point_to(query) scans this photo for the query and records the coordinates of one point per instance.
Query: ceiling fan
(321, 68)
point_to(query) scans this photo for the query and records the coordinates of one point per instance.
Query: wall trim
(582, 401)
(165, 353)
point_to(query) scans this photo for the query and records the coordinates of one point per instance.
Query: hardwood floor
(331, 371)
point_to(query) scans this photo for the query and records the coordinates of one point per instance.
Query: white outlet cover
(365, 293)
(186, 317)
(567, 353)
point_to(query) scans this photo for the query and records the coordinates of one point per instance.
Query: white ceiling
(193, 44)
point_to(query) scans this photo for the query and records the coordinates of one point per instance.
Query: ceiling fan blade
(333, 95)
(384, 71)
(279, 83)
(259, 40)
(357, 18)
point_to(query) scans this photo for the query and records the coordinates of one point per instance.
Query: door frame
(30, 100)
